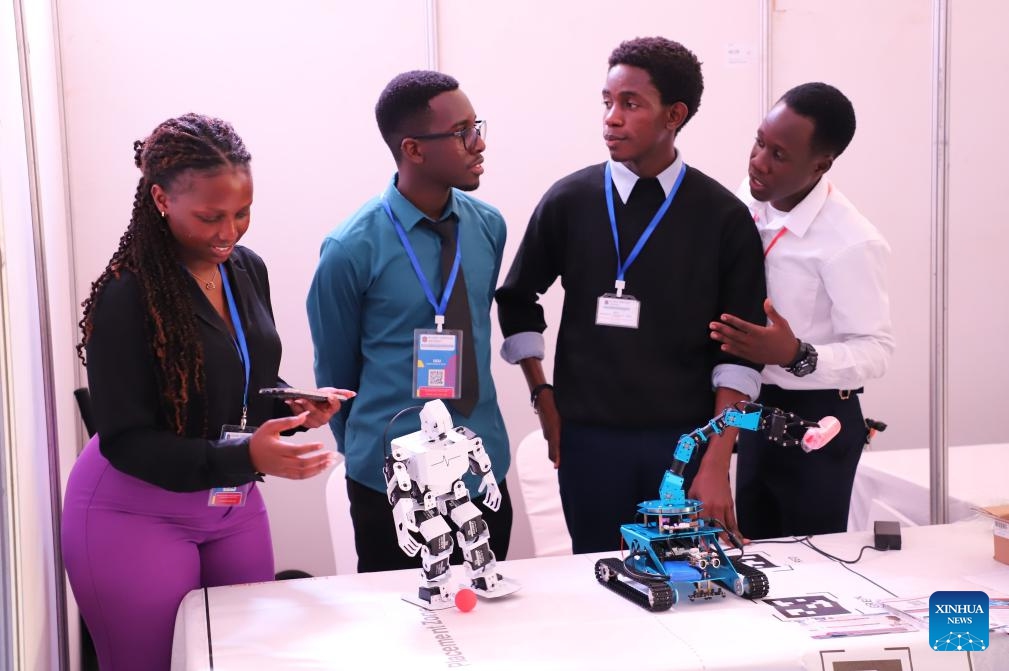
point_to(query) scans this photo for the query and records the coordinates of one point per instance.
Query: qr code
(436, 377)
(807, 605)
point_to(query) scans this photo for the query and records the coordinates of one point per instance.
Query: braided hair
(147, 249)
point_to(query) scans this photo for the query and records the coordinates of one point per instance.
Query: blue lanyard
(439, 307)
(240, 343)
(623, 266)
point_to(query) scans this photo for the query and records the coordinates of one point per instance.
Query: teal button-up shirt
(366, 301)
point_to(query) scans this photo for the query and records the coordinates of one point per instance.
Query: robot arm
(402, 491)
(492, 493)
(779, 427)
(479, 464)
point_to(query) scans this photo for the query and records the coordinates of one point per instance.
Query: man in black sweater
(649, 251)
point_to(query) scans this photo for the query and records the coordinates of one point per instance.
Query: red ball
(465, 600)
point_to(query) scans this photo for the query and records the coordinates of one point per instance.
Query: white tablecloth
(563, 619)
(894, 484)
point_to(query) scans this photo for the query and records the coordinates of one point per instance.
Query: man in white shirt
(826, 271)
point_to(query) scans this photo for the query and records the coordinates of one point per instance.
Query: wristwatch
(804, 362)
(534, 396)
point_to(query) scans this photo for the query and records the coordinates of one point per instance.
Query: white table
(562, 619)
(894, 484)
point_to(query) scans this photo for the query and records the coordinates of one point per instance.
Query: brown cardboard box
(1000, 519)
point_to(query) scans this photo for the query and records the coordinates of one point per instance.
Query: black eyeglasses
(467, 135)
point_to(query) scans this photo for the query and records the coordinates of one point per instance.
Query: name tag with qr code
(227, 496)
(231, 496)
(622, 311)
(437, 369)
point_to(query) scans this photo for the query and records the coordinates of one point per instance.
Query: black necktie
(457, 315)
(633, 217)
(647, 192)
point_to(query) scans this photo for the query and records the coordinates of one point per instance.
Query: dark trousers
(375, 531)
(605, 472)
(783, 491)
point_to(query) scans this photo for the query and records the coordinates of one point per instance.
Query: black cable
(385, 432)
(844, 562)
(733, 538)
(857, 559)
(640, 576)
(742, 551)
(805, 540)
(847, 568)
(782, 541)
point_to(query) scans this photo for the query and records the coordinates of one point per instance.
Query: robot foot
(432, 598)
(493, 586)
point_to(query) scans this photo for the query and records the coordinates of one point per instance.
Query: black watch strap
(800, 354)
(534, 395)
(805, 361)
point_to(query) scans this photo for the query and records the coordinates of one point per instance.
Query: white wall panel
(979, 222)
(879, 55)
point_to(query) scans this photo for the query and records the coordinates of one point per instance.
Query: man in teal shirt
(366, 300)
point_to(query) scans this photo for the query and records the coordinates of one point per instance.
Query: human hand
(320, 412)
(273, 456)
(713, 490)
(774, 344)
(550, 422)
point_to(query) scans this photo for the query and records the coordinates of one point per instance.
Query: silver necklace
(210, 284)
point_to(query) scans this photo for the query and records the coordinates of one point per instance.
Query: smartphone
(306, 394)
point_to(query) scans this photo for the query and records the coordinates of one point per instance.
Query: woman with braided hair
(179, 336)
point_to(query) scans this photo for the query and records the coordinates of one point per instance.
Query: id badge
(437, 369)
(621, 311)
(230, 496)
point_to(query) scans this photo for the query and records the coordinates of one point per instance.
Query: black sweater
(704, 258)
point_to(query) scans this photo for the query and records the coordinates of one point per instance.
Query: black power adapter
(887, 535)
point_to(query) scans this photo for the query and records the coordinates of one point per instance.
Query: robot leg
(436, 590)
(474, 537)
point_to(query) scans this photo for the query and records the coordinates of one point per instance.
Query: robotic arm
(402, 492)
(779, 427)
(479, 464)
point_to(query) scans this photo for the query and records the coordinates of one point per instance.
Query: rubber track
(660, 594)
(758, 584)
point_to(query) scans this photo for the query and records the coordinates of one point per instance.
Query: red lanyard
(774, 240)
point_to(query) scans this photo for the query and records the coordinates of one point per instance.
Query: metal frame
(431, 16)
(7, 538)
(765, 58)
(939, 363)
(45, 332)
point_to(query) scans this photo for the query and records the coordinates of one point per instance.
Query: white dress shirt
(624, 180)
(826, 275)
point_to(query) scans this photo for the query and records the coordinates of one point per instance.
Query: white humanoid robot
(425, 488)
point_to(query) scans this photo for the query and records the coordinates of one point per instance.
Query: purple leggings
(132, 550)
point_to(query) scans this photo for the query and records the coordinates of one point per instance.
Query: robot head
(435, 420)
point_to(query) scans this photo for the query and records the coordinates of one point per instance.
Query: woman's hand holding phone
(320, 404)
